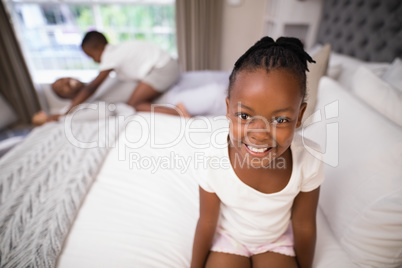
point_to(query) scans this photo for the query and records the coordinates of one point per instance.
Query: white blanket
(140, 213)
(43, 182)
(137, 215)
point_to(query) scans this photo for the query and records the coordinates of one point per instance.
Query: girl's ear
(227, 108)
(303, 107)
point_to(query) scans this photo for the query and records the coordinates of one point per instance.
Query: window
(50, 32)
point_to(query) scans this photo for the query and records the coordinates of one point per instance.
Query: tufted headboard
(370, 30)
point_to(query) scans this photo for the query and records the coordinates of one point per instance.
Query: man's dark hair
(93, 39)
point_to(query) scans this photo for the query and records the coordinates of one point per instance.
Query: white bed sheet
(136, 217)
(146, 218)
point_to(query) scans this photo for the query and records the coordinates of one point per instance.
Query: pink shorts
(224, 242)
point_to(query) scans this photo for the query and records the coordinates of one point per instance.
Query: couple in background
(154, 70)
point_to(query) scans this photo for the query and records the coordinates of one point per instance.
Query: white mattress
(146, 217)
(139, 217)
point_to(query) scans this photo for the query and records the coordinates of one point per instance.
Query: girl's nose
(259, 130)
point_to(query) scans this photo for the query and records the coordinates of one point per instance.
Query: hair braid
(286, 53)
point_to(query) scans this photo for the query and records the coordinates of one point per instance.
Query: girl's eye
(280, 120)
(243, 116)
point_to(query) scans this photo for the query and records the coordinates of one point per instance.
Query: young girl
(260, 211)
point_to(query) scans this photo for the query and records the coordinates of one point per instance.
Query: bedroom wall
(243, 25)
(248, 20)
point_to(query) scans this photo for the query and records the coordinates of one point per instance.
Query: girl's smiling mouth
(257, 151)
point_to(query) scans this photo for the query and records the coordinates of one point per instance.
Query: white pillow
(314, 49)
(7, 114)
(343, 67)
(378, 94)
(206, 100)
(316, 71)
(361, 195)
(393, 75)
(201, 92)
(378, 229)
(334, 71)
(55, 104)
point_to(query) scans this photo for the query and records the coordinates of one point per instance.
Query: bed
(118, 189)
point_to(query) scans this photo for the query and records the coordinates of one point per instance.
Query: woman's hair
(286, 53)
(93, 39)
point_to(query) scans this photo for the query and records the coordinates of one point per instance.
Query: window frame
(45, 75)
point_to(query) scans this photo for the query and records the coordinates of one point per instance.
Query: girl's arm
(304, 226)
(206, 226)
(89, 89)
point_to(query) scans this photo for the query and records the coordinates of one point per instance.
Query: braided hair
(286, 53)
(93, 39)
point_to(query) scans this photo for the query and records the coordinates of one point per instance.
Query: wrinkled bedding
(43, 182)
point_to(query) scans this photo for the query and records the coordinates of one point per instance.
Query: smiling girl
(260, 212)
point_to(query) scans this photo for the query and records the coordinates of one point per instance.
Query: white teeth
(257, 150)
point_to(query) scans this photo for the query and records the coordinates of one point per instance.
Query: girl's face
(264, 109)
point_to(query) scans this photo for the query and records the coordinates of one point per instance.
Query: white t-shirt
(252, 217)
(133, 60)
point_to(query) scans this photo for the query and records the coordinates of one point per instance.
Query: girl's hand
(206, 226)
(304, 226)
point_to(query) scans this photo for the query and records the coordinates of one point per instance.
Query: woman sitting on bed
(68, 88)
(65, 88)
